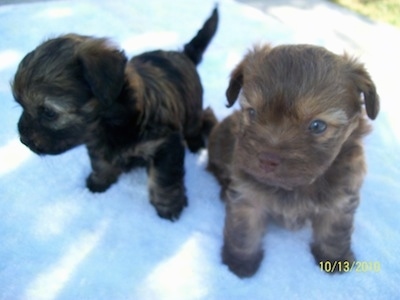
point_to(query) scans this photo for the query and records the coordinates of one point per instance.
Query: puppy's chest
(146, 149)
(127, 158)
(289, 209)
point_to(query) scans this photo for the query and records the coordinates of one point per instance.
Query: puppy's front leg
(332, 229)
(104, 173)
(243, 234)
(166, 172)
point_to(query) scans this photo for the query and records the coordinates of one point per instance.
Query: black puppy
(82, 90)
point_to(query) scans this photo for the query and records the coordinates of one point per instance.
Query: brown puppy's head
(62, 86)
(299, 106)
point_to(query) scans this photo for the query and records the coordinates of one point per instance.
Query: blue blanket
(59, 241)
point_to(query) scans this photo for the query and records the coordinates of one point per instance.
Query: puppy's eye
(252, 113)
(48, 114)
(317, 126)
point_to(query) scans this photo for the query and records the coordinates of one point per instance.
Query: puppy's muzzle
(269, 161)
(27, 138)
(39, 140)
(25, 132)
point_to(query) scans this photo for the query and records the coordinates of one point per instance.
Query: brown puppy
(293, 152)
(81, 90)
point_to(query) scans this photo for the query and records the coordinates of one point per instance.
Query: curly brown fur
(294, 150)
(82, 90)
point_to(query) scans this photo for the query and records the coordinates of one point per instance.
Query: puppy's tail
(196, 47)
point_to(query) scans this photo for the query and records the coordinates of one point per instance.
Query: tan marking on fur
(147, 149)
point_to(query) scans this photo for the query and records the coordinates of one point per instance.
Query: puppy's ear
(235, 84)
(103, 69)
(365, 85)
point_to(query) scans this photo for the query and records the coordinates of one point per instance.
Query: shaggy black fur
(82, 90)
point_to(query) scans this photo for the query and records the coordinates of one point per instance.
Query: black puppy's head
(62, 86)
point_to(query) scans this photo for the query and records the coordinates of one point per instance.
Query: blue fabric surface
(59, 241)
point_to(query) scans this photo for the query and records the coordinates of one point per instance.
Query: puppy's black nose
(23, 135)
(269, 161)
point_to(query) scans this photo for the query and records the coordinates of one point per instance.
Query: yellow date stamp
(346, 266)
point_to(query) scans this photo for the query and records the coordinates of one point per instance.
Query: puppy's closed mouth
(288, 182)
(278, 170)
(39, 150)
(34, 148)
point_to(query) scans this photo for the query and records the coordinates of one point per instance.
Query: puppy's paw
(242, 265)
(97, 186)
(169, 209)
(331, 265)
